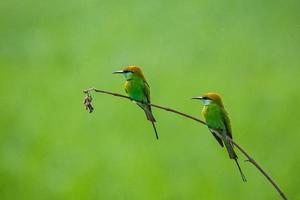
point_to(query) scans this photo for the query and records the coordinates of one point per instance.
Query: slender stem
(250, 159)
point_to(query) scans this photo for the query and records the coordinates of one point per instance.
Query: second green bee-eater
(218, 123)
(138, 89)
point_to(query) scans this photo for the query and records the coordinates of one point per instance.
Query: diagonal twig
(250, 159)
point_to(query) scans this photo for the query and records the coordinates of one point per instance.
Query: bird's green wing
(226, 121)
(147, 91)
(147, 95)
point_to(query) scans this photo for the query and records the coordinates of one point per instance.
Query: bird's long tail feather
(230, 150)
(154, 127)
(149, 115)
(233, 155)
(151, 118)
(241, 172)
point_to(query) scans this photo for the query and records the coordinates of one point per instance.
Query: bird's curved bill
(197, 97)
(119, 72)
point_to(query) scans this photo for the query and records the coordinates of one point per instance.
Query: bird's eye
(204, 98)
(125, 71)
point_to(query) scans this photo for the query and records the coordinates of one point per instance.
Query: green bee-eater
(217, 121)
(138, 89)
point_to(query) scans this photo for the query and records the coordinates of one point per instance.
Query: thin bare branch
(249, 158)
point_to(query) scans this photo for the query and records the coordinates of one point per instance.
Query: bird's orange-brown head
(134, 69)
(131, 71)
(211, 97)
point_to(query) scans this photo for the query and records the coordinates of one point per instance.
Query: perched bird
(218, 123)
(138, 89)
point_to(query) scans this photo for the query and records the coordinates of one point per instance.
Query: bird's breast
(134, 90)
(204, 111)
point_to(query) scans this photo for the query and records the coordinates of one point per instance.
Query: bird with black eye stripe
(218, 123)
(138, 89)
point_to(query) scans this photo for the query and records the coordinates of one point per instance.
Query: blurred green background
(51, 148)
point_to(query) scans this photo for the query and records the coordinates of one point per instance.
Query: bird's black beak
(119, 72)
(197, 97)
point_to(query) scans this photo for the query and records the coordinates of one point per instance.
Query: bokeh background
(51, 148)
